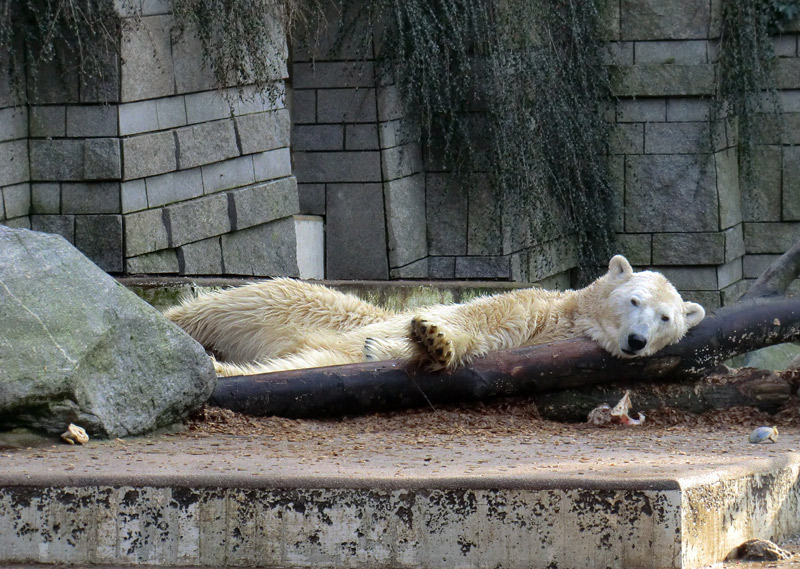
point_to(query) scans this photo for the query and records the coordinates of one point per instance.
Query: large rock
(77, 347)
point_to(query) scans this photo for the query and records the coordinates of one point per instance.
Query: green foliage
(746, 83)
(62, 36)
(513, 88)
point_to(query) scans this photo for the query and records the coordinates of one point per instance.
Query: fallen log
(762, 318)
(376, 386)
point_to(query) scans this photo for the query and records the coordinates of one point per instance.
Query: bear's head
(638, 313)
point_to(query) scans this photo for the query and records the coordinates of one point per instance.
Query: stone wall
(682, 208)
(154, 169)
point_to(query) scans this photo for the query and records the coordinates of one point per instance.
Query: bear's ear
(619, 266)
(694, 313)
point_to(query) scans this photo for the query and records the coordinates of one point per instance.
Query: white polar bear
(288, 324)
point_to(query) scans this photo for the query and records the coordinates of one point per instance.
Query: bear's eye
(664, 318)
(635, 301)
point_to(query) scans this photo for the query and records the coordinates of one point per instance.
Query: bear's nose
(636, 342)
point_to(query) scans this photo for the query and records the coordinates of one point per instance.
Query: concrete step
(559, 497)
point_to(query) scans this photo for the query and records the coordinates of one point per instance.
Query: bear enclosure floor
(498, 447)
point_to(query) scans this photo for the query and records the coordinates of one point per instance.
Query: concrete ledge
(522, 501)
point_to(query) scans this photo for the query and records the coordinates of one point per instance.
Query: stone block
(133, 196)
(318, 137)
(618, 53)
(146, 56)
(23, 222)
(138, 117)
(149, 155)
(103, 87)
(312, 198)
(346, 105)
(56, 81)
(55, 160)
(551, 258)
(355, 232)
(174, 187)
(405, 219)
(787, 73)
(734, 242)
(227, 174)
(63, 225)
(13, 123)
(637, 248)
(484, 234)
(263, 250)
(627, 138)
(669, 193)
(689, 52)
(206, 143)
(14, 162)
(46, 198)
(641, 110)
(201, 257)
(99, 237)
(730, 197)
(761, 199)
(729, 273)
(90, 197)
(486, 267)
(198, 219)
(145, 231)
(683, 109)
(401, 161)
(48, 121)
(415, 270)
(206, 106)
(390, 104)
(310, 233)
(688, 248)
(651, 80)
(790, 101)
(754, 265)
(326, 75)
(272, 164)
(765, 238)
(17, 199)
(326, 167)
(676, 138)
(263, 131)
(361, 137)
(790, 128)
(102, 159)
(91, 121)
(397, 132)
(691, 278)
(446, 210)
(263, 203)
(441, 267)
(158, 262)
(791, 183)
(304, 106)
(171, 112)
(659, 19)
(192, 72)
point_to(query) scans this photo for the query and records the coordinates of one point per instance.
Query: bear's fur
(289, 324)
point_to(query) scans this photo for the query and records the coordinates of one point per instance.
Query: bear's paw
(435, 342)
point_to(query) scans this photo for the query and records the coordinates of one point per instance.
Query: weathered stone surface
(734, 242)
(145, 231)
(227, 174)
(676, 138)
(272, 164)
(14, 162)
(655, 184)
(201, 257)
(659, 19)
(484, 267)
(17, 200)
(263, 250)
(46, 198)
(146, 53)
(361, 137)
(637, 247)
(327, 167)
(89, 198)
(318, 137)
(791, 183)
(484, 234)
(652, 80)
(688, 248)
(730, 197)
(55, 160)
(63, 225)
(446, 211)
(78, 348)
(174, 187)
(263, 131)
(48, 121)
(356, 232)
(101, 159)
(149, 155)
(206, 143)
(405, 218)
(762, 199)
(770, 237)
(13, 123)
(312, 198)
(264, 202)
(346, 105)
(198, 219)
(641, 110)
(325, 75)
(91, 120)
(158, 262)
(99, 237)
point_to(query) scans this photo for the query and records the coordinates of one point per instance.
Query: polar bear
(289, 324)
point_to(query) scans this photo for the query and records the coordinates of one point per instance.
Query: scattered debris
(764, 435)
(758, 550)
(75, 434)
(604, 414)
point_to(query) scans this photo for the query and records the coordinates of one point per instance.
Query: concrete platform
(376, 493)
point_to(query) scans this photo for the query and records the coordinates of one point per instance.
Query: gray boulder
(77, 347)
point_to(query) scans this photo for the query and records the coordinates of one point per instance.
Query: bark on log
(369, 387)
